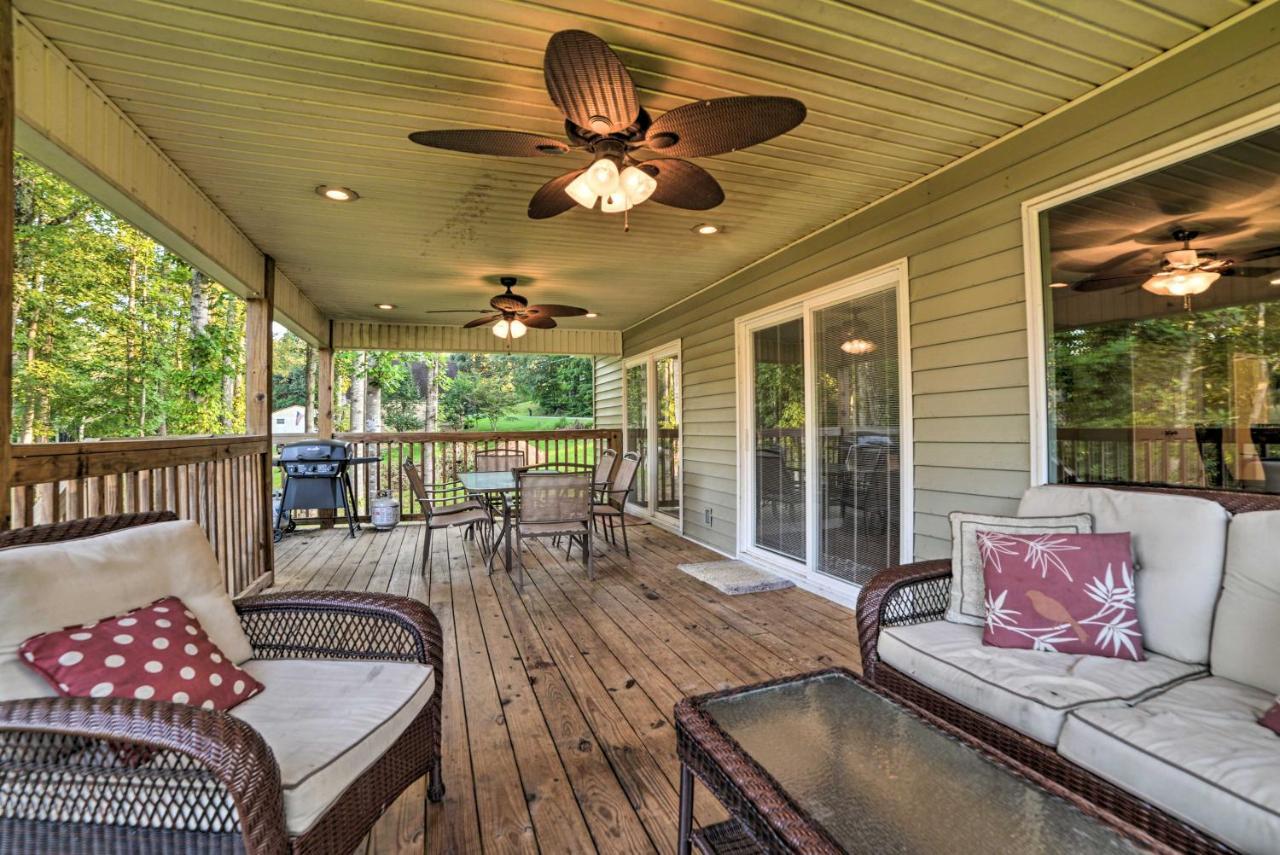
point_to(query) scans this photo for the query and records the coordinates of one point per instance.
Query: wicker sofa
(1170, 745)
(350, 716)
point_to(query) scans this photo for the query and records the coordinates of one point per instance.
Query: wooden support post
(257, 356)
(6, 257)
(324, 404)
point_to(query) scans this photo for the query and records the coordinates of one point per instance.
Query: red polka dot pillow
(157, 652)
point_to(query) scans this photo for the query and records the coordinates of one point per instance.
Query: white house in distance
(289, 420)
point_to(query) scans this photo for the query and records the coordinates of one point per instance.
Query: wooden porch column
(6, 257)
(324, 404)
(257, 357)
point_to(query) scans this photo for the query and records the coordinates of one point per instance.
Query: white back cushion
(53, 585)
(1179, 546)
(1246, 628)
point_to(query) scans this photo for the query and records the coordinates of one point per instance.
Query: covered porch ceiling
(260, 102)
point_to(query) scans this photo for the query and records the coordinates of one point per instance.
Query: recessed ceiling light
(1059, 285)
(706, 228)
(338, 194)
(386, 307)
(591, 315)
(1276, 281)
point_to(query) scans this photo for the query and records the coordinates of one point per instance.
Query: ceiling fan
(1183, 272)
(603, 117)
(512, 315)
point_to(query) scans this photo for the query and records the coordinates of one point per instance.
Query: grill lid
(315, 449)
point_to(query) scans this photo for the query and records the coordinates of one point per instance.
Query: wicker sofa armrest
(906, 594)
(118, 768)
(341, 625)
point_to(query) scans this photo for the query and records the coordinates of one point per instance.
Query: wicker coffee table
(823, 763)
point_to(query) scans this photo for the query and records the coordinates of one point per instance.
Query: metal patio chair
(554, 505)
(609, 506)
(442, 509)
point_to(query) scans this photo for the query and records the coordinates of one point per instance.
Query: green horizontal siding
(960, 230)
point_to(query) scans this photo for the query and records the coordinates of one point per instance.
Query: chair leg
(435, 788)
(426, 550)
(586, 547)
(622, 519)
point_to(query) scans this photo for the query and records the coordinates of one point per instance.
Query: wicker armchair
(117, 775)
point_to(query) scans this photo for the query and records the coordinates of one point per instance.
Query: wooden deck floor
(558, 701)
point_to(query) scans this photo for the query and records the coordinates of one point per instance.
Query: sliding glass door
(822, 445)
(855, 364)
(777, 353)
(653, 429)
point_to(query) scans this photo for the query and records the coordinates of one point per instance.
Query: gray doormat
(735, 577)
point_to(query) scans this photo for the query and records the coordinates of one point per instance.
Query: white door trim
(890, 276)
(1033, 251)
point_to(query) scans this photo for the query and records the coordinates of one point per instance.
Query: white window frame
(1033, 253)
(649, 359)
(892, 276)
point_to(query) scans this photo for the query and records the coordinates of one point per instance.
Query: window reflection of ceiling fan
(1184, 272)
(512, 315)
(603, 117)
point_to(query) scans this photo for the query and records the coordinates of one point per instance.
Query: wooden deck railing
(216, 481)
(442, 455)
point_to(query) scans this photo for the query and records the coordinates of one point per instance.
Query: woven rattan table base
(725, 838)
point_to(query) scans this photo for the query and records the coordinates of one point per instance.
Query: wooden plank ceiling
(260, 101)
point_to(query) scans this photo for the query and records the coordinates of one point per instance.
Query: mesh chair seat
(551, 528)
(451, 518)
(605, 511)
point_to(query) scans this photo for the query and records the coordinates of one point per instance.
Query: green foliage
(104, 343)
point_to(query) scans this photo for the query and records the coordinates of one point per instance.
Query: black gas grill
(317, 476)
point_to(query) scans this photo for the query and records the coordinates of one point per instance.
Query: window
(1162, 320)
(653, 429)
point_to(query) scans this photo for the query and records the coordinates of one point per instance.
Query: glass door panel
(667, 453)
(855, 362)
(778, 432)
(637, 436)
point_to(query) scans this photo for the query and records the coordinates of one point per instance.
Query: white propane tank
(384, 511)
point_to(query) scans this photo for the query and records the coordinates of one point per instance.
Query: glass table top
(879, 779)
(488, 482)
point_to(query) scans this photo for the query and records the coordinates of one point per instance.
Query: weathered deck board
(558, 699)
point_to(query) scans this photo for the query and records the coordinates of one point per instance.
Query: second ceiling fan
(603, 117)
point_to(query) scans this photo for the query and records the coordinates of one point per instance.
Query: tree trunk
(229, 378)
(356, 393)
(372, 424)
(199, 319)
(433, 393)
(309, 385)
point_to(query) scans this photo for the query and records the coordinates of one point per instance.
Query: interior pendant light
(518, 329)
(858, 347)
(501, 328)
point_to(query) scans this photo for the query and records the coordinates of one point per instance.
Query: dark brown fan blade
(501, 143)
(539, 323)
(479, 322)
(682, 184)
(721, 125)
(1107, 283)
(551, 199)
(554, 311)
(588, 82)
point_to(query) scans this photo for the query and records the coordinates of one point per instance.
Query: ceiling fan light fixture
(518, 329)
(602, 176)
(501, 327)
(580, 191)
(616, 203)
(637, 184)
(1180, 283)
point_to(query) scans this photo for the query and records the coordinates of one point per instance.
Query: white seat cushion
(1195, 751)
(1179, 546)
(1246, 627)
(1029, 691)
(53, 585)
(327, 721)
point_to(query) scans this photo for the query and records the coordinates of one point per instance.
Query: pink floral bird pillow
(1063, 593)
